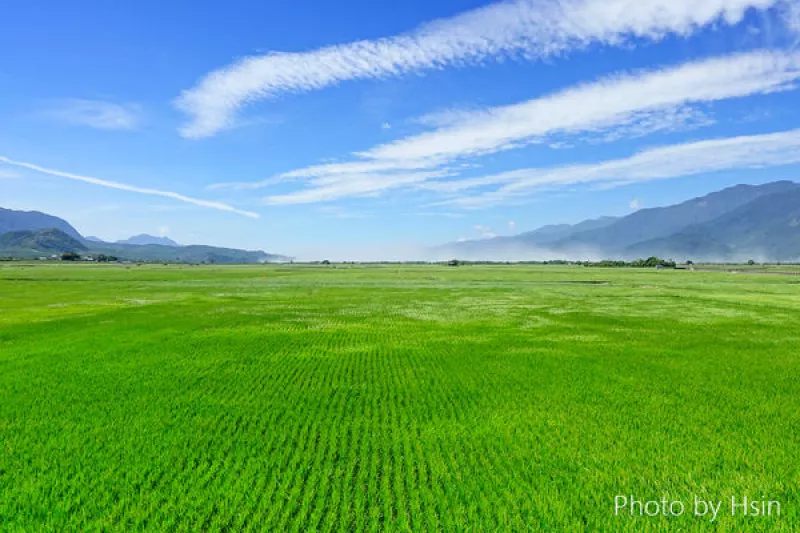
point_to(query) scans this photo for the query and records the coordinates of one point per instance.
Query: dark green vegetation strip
(393, 398)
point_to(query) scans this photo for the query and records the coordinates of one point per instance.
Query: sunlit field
(394, 398)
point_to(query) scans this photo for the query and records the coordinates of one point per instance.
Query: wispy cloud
(485, 232)
(98, 114)
(745, 152)
(328, 171)
(336, 187)
(629, 105)
(792, 17)
(130, 188)
(643, 102)
(335, 211)
(8, 175)
(528, 29)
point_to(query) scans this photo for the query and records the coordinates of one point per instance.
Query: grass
(393, 398)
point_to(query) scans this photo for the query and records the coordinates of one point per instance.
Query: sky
(365, 130)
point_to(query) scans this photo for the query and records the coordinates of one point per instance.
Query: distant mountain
(145, 239)
(11, 220)
(31, 234)
(518, 246)
(554, 233)
(92, 238)
(734, 224)
(45, 240)
(186, 254)
(766, 228)
(659, 222)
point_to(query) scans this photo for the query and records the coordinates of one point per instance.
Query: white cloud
(746, 152)
(131, 188)
(485, 232)
(386, 126)
(8, 175)
(635, 204)
(529, 29)
(95, 114)
(330, 188)
(512, 226)
(630, 105)
(643, 102)
(792, 16)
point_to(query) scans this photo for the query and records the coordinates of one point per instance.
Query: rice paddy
(394, 398)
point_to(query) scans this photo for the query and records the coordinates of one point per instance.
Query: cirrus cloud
(623, 105)
(97, 114)
(528, 29)
(125, 187)
(680, 160)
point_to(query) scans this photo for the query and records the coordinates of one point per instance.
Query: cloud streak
(527, 29)
(642, 103)
(627, 105)
(97, 114)
(336, 187)
(130, 188)
(688, 159)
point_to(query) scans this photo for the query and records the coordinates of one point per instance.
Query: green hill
(184, 254)
(33, 243)
(31, 234)
(662, 222)
(766, 228)
(11, 220)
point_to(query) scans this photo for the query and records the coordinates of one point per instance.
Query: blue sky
(361, 130)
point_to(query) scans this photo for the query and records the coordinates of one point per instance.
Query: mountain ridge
(144, 239)
(658, 222)
(767, 227)
(13, 220)
(43, 240)
(699, 229)
(30, 234)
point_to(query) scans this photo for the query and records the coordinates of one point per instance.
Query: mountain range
(760, 222)
(735, 224)
(31, 234)
(11, 220)
(144, 239)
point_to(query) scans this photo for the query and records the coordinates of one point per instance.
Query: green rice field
(394, 398)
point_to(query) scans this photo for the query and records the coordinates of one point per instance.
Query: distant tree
(751, 262)
(690, 263)
(70, 256)
(453, 263)
(326, 262)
